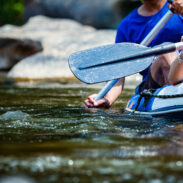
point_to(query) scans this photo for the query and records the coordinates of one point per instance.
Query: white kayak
(166, 101)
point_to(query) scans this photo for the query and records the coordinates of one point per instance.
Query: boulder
(59, 38)
(13, 50)
(97, 13)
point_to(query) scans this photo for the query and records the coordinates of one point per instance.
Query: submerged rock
(16, 179)
(13, 50)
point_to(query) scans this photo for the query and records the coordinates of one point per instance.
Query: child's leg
(160, 68)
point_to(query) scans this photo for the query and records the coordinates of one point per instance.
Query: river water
(46, 136)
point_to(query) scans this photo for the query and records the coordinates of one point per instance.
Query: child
(134, 28)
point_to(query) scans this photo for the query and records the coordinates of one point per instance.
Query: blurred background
(98, 13)
(38, 36)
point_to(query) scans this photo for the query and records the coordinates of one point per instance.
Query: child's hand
(177, 6)
(90, 102)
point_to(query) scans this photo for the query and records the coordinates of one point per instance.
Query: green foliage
(11, 11)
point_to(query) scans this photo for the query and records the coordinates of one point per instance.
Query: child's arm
(176, 70)
(109, 99)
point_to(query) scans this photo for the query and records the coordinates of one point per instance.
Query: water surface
(47, 136)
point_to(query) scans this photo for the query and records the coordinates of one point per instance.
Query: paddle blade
(104, 54)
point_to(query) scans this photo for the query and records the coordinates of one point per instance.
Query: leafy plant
(11, 11)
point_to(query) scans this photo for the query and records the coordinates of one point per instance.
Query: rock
(13, 50)
(97, 13)
(59, 38)
(16, 179)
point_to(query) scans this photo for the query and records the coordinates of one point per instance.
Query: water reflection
(47, 136)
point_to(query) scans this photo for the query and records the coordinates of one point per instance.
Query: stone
(13, 50)
(59, 38)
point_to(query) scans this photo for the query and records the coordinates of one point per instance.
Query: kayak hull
(173, 113)
(171, 106)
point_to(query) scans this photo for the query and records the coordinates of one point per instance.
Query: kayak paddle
(146, 41)
(114, 61)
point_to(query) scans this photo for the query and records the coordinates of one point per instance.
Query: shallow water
(47, 136)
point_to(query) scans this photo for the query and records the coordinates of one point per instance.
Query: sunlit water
(47, 136)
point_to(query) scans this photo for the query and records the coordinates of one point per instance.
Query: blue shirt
(134, 28)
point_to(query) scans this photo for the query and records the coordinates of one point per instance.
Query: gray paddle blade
(110, 71)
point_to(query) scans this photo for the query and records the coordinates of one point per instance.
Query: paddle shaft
(155, 51)
(145, 42)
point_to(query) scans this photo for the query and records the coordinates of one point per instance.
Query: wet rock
(16, 179)
(98, 13)
(13, 50)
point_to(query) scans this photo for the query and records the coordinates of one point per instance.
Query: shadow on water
(47, 136)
